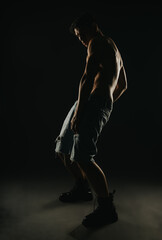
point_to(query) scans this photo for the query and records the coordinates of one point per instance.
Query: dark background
(42, 64)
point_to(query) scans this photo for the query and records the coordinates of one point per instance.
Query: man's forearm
(121, 86)
(117, 93)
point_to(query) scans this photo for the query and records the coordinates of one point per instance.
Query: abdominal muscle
(104, 87)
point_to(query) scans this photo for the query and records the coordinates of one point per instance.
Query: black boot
(104, 214)
(80, 192)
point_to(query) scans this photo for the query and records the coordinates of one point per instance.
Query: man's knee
(65, 159)
(60, 155)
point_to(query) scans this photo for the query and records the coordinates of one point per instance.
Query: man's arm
(86, 83)
(121, 85)
(85, 87)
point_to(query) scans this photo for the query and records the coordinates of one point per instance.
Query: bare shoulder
(112, 43)
(104, 48)
(99, 46)
(94, 46)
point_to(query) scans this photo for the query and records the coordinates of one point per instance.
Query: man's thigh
(93, 120)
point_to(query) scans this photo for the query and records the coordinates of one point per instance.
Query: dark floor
(30, 210)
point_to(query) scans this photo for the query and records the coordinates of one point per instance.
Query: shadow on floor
(52, 204)
(57, 203)
(81, 233)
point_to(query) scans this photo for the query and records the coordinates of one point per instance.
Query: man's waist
(102, 100)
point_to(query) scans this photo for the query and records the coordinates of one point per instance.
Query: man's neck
(98, 33)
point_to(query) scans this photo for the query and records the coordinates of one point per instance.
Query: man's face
(82, 35)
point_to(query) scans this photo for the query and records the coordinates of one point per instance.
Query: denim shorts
(82, 146)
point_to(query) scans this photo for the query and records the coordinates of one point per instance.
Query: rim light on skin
(85, 34)
(77, 33)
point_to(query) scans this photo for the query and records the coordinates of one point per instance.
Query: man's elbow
(124, 86)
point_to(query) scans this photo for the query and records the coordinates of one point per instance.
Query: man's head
(84, 27)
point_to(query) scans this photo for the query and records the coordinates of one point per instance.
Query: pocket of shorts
(105, 116)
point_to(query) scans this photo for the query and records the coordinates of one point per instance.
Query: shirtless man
(102, 83)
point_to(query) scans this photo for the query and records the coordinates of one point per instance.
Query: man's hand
(75, 124)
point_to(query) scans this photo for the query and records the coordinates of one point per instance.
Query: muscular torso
(110, 63)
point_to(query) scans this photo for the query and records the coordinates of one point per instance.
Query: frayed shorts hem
(79, 158)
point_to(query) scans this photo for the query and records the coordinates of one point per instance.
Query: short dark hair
(85, 20)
